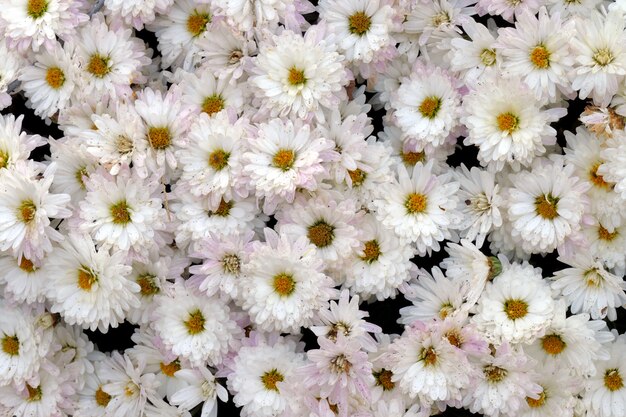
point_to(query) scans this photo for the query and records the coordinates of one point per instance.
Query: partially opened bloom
(202, 388)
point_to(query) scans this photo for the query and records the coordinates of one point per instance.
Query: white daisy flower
(26, 207)
(15, 145)
(75, 354)
(568, 8)
(537, 50)
(507, 8)
(10, 65)
(152, 278)
(600, 50)
(612, 166)
(606, 244)
(195, 327)
(546, 206)
(202, 388)
(516, 307)
(283, 156)
(507, 122)
(211, 95)
(432, 18)
(74, 167)
(420, 208)
(427, 105)
(557, 394)
(282, 284)
(136, 13)
(23, 281)
(299, 76)
(588, 288)
(260, 370)
(92, 398)
(472, 57)
(90, 288)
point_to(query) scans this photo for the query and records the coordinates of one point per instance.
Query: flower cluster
(232, 175)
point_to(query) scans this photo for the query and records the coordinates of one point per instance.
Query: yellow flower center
(445, 309)
(359, 23)
(26, 265)
(213, 104)
(535, 403)
(429, 356)
(86, 278)
(494, 374)
(440, 18)
(195, 322)
(148, 285)
(171, 368)
(383, 379)
(540, 57)
(231, 263)
(430, 107)
(340, 364)
(604, 234)
(218, 159)
(321, 234)
(124, 144)
(223, 209)
(4, 159)
(159, 137)
(26, 211)
(552, 344)
(357, 177)
(98, 65)
(603, 57)
(284, 284)
(36, 8)
(55, 77)
(515, 309)
(11, 345)
(597, 179)
(546, 206)
(412, 158)
(371, 251)
(415, 203)
(488, 57)
(196, 23)
(102, 397)
(271, 378)
(120, 213)
(81, 173)
(507, 122)
(296, 77)
(284, 159)
(454, 338)
(34, 393)
(613, 380)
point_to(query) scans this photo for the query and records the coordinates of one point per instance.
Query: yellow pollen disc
(124, 144)
(26, 265)
(213, 104)
(340, 364)
(80, 177)
(231, 263)
(613, 380)
(11, 345)
(430, 107)
(494, 374)
(148, 285)
(171, 368)
(195, 322)
(454, 338)
(159, 137)
(120, 213)
(86, 279)
(296, 77)
(359, 23)
(55, 77)
(218, 159)
(223, 209)
(357, 177)
(604, 234)
(383, 379)
(26, 211)
(415, 203)
(371, 251)
(445, 310)
(507, 122)
(271, 378)
(515, 309)
(102, 397)
(546, 206)
(196, 23)
(34, 393)
(284, 159)
(98, 66)
(4, 159)
(130, 389)
(36, 8)
(488, 57)
(552, 344)
(603, 57)
(441, 18)
(540, 57)
(597, 179)
(321, 234)
(429, 356)
(284, 284)
(336, 328)
(534, 403)
(412, 158)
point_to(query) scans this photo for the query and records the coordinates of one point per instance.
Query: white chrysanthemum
(257, 375)
(136, 13)
(92, 398)
(299, 75)
(420, 208)
(75, 354)
(507, 122)
(15, 145)
(282, 284)
(568, 8)
(600, 50)
(546, 206)
(613, 166)
(605, 393)
(248, 15)
(516, 307)
(90, 288)
(23, 281)
(380, 264)
(202, 387)
(211, 95)
(588, 288)
(427, 105)
(507, 8)
(472, 57)
(283, 156)
(123, 212)
(10, 65)
(74, 167)
(49, 82)
(26, 207)
(151, 277)
(606, 244)
(434, 18)
(556, 398)
(193, 326)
